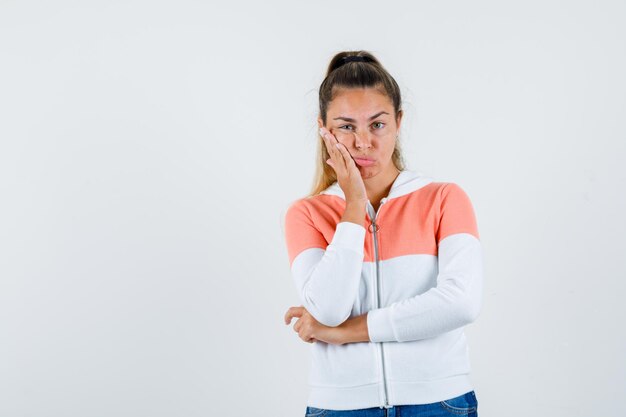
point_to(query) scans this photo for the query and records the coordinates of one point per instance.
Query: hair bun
(351, 58)
(341, 61)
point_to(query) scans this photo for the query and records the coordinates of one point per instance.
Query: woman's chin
(368, 172)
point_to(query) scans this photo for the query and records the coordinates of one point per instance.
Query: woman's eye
(350, 127)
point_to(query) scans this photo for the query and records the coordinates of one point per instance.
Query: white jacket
(416, 269)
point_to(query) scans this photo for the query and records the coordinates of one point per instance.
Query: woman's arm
(310, 330)
(456, 299)
(453, 303)
(354, 330)
(326, 275)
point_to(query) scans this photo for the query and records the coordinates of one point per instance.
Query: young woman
(387, 262)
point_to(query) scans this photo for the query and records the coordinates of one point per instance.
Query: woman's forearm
(354, 329)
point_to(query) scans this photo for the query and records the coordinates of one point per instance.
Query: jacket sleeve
(457, 297)
(326, 275)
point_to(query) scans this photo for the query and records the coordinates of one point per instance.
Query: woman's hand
(310, 330)
(348, 174)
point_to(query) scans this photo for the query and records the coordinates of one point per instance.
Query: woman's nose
(362, 140)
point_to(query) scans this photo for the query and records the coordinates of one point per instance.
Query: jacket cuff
(349, 235)
(379, 326)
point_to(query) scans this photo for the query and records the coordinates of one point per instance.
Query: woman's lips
(364, 162)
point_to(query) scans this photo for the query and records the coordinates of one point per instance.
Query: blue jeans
(463, 405)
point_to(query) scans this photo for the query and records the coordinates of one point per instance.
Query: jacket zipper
(374, 227)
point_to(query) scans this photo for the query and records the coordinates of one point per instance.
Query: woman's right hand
(348, 174)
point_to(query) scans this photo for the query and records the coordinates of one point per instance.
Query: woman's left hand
(311, 330)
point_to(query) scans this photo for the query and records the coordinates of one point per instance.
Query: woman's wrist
(355, 212)
(355, 330)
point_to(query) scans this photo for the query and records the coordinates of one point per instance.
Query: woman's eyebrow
(348, 119)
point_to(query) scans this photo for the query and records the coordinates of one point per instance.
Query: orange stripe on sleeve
(456, 213)
(300, 232)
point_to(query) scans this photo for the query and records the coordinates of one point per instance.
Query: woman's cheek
(342, 137)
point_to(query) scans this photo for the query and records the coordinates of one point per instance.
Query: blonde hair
(368, 73)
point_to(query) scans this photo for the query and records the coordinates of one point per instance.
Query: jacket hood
(406, 182)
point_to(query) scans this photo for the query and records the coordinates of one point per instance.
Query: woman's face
(363, 120)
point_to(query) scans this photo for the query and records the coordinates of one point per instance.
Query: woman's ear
(319, 122)
(399, 118)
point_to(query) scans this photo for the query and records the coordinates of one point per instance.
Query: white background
(149, 149)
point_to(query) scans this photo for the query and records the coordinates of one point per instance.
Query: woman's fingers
(291, 313)
(346, 155)
(299, 312)
(345, 167)
(332, 146)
